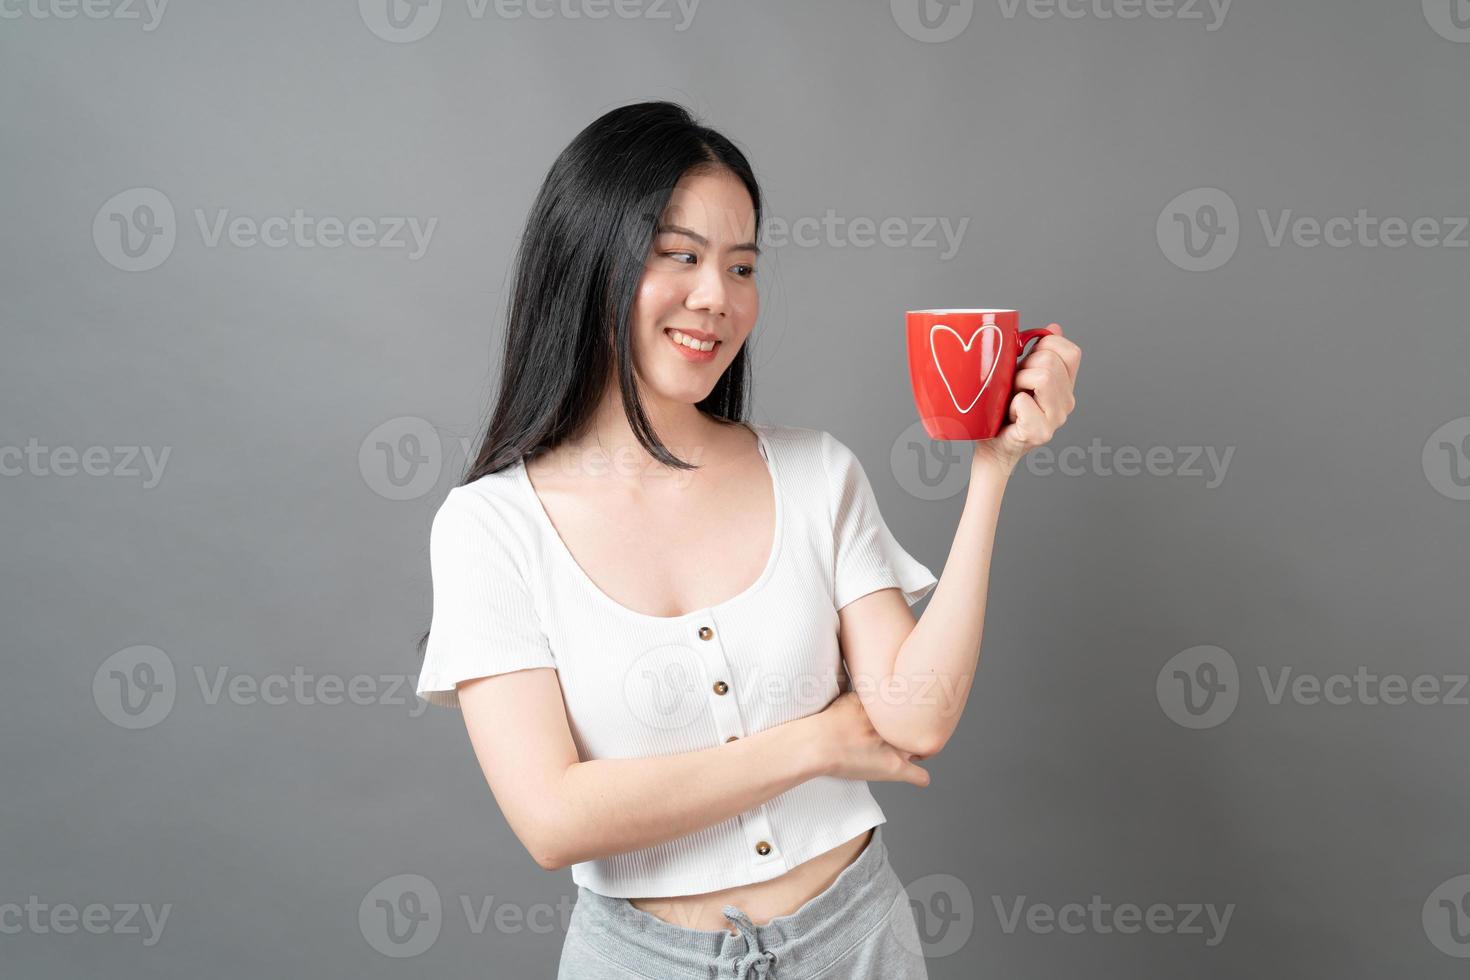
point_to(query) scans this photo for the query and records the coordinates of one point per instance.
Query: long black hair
(577, 271)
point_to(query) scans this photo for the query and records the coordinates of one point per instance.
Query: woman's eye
(743, 271)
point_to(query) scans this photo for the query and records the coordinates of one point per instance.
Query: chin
(676, 386)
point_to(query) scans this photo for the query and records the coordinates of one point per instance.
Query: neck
(686, 431)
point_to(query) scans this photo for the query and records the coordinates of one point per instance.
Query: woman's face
(698, 285)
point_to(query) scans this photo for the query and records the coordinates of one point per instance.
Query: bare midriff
(761, 900)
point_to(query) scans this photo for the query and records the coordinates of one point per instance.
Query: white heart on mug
(965, 345)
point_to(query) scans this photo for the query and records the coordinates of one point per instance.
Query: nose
(709, 292)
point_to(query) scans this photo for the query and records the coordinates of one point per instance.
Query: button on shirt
(508, 595)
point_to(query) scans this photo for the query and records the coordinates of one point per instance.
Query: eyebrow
(680, 230)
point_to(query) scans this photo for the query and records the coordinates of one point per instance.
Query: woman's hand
(851, 749)
(1043, 400)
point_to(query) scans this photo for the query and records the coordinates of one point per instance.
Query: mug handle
(1025, 337)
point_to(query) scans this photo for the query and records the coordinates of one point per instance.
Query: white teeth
(690, 342)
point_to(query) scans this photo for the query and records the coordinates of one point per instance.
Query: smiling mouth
(690, 343)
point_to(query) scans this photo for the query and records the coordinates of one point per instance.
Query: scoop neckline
(544, 522)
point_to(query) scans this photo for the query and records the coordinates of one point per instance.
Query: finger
(1030, 421)
(917, 775)
(1050, 388)
(1048, 357)
(1068, 352)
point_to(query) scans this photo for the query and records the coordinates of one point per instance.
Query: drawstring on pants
(762, 961)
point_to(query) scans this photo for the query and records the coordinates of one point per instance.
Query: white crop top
(508, 595)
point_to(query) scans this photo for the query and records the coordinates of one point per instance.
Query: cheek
(746, 307)
(655, 298)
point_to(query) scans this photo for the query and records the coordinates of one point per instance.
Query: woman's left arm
(914, 678)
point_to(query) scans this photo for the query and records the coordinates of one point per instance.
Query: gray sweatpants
(861, 926)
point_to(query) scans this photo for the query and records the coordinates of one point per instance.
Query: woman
(646, 649)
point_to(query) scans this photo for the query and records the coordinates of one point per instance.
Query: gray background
(273, 541)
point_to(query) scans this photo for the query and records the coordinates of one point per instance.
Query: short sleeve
(867, 556)
(484, 621)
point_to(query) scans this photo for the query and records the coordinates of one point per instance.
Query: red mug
(962, 365)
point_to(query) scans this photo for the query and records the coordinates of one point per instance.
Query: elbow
(924, 742)
(545, 844)
(929, 744)
(548, 860)
(547, 852)
(545, 831)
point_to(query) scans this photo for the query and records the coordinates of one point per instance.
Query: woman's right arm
(565, 811)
